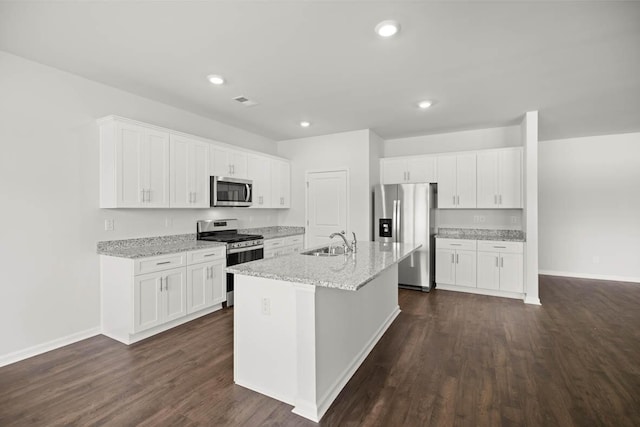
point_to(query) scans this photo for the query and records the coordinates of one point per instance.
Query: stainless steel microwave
(226, 191)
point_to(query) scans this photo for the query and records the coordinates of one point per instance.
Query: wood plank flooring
(450, 359)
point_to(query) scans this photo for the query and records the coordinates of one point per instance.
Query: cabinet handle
(233, 169)
(210, 254)
(502, 247)
(207, 272)
(160, 284)
(166, 283)
(454, 200)
(195, 197)
(496, 261)
(495, 199)
(148, 195)
(455, 244)
(501, 262)
(458, 200)
(164, 262)
(408, 176)
(500, 199)
(453, 259)
(457, 259)
(212, 272)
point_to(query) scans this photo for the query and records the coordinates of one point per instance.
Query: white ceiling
(485, 64)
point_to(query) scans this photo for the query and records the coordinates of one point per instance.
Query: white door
(394, 171)
(130, 142)
(511, 273)
(218, 279)
(466, 268)
(218, 161)
(488, 270)
(175, 294)
(447, 182)
(445, 266)
(465, 181)
(147, 300)
(327, 206)
(421, 169)
(156, 168)
(181, 194)
(259, 171)
(510, 184)
(487, 180)
(197, 283)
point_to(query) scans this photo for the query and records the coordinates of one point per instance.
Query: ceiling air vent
(245, 101)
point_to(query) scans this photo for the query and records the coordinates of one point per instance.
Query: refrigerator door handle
(398, 230)
(394, 219)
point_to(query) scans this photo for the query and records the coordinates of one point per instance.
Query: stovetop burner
(229, 237)
(226, 231)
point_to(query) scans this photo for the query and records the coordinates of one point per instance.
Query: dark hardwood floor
(449, 359)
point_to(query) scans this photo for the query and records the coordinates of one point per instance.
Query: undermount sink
(325, 251)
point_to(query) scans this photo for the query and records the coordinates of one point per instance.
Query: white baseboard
(26, 353)
(590, 276)
(480, 291)
(532, 300)
(315, 412)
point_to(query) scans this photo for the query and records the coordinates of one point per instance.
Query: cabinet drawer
(497, 246)
(206, 255)
(159, 263)
(273, 244)
(469, 245)
(294, 240)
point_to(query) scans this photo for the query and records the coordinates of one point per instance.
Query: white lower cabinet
(491, 267)
(145, 296)
(283, 246)
(456, 262)
(500, 266)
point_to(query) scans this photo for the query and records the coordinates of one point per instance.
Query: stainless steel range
(241, 248)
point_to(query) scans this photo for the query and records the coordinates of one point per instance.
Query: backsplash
(491, 219)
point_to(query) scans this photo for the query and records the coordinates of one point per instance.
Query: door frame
(307, 173)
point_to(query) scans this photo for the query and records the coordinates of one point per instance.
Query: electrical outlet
(514, 220)
(476, 219)
(108, 224)
(482, 218)
(266, 306)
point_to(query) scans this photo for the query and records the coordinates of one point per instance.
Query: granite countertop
(152, 246)
(481, 234)
(348, 272)
(274, 232)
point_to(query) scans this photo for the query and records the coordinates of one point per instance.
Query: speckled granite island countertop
(274, 232)
(153, 246)
(348, 272)
(481, 234)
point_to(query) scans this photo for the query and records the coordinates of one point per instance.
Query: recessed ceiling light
(305, 124)
(387, 28)
(425, 104)
(215, 79)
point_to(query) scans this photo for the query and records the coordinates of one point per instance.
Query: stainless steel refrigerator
(405, 213)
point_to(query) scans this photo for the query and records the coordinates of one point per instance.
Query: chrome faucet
(347, 246)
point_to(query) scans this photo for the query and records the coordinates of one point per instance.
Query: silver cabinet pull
(453, 259)
(454, 200)
(495, 199)
(166, 283)
(207, 272)
(458, 200)
(496, 261)
(501, 262)
(455, 244)
(210, 254)
(160, 284)
(500, 199)
(408, 176)
(457, 259)
(164, 262)
(503, 247)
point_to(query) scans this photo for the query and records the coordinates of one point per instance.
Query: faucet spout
(348, 247)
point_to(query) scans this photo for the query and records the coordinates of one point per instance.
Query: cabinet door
(445, 266)
(393, 171)
(280, 184)
(447, 182)
(466, 181)
(421, 169)
(488, 270)
(156, 168)
(199, 173)
(259, 171)
(198, 277)
(466, 268)
(175, 294)
(219, 164)
(238, 161)
(130, 182)
(147, 301)
(181, 195)
(511, 273)
(510, 178)
(487, 180)
(218, 279)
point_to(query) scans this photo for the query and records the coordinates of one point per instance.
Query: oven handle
(248, 198)
(248, 248)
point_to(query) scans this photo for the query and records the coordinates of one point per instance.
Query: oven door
(227, 191)
(239, 256)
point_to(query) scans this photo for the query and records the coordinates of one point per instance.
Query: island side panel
(348, 326)
(265, 336)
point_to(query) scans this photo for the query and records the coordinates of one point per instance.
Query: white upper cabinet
(189, 173)
(499, 179)
(134, 166)
(457, 181)
(259, 171)
(224, 161)
(408, 170)
(280, 184)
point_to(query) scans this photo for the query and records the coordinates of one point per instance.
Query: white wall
(347, 150)
(50, 219)
(376, 148)
(478, 139)
(589, 200)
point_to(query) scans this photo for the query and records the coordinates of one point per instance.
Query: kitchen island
(304, 324)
